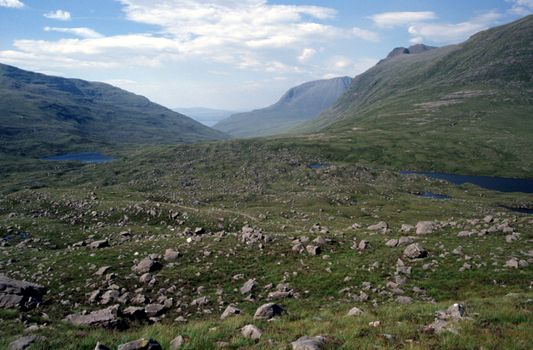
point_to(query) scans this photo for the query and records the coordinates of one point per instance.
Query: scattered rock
(415, 251)
(141, 344)
(248, 287)
(99, 244)
(268, 311)
(147, 265)
(19, 294)
(251, 332)
(171, 255)
(107, 318)
(309, 343)
(424, 227)
(230, 311)
(313, 250)
(177, 343)
(380, 226)
(24, 342)
(355, 311)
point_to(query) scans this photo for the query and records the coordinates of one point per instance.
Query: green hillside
(42, 115)
(461, 107)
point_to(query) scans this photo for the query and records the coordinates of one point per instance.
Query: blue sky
(229, 54)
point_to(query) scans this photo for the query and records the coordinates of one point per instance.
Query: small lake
(84, 157)
(501, 184)
(318, 165)
(519, 210)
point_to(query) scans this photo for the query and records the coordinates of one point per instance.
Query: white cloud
(247, 34)
(521, 7)
(393, 19)
(60, 15)
(446, 33)
(341, 65)
(306, 54)
(16, 4)
(79, 31)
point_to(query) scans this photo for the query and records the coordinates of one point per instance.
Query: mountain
(206, 116)
(411, 50)
(299, 104)
(41, 115)
(474, 98)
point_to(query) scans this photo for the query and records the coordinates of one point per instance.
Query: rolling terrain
(299, 104)
(307, 241)
(41, 115)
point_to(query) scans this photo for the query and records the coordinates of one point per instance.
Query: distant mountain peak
(411, 50)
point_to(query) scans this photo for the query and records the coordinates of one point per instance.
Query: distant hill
(41, 115)
(206, 116)
(474, 98)
(411, 50)
(299, 104)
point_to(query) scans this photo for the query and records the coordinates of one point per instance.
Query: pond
(317, 165)
(84, 157)
(501, 184)
(519, 210)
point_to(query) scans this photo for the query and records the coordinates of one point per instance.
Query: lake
(500, 184)
(84, 157)
(432, 195)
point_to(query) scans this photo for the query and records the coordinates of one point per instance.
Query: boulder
(251, 332)
(425, 227)
(313, 250)
(268, 311)
(107, 318)
(177, 343)
(99, 244)
(380, 226)
(355, 311)
(147, 265)
(141, 344)
(24, 342)
(309, 343)
(153, 310)
(248, 287)
(19, 294)
(100, 346)
(415, 251)
(392, 243)
(230, 311)
(171, 255)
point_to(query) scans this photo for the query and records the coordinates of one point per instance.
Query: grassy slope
(42, 115)
(465, 108)
(267, 184)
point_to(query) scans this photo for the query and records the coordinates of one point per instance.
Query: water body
(317, 166)
(432, 195)
(84, 157)
(19, 236)
(519, 210)
(500, 184)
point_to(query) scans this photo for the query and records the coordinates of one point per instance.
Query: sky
(229, 54)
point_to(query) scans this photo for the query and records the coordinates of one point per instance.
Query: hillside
(456, 104)
(41, 115)
(299, 104)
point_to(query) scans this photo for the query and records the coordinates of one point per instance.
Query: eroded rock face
(19, 294)
(106, 318)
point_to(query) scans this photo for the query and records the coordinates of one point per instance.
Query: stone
(99, 244)
(251, 332)
(147, 265)
(171, 255)
(309, 343)
(425, 227)
(488, 219)
(363, 245)
(404, 300)
(355, 311)
(24, 342)
(268, 311)
(102, 271)
(200, 301)
(134, 313)
(177, 343)
(313, 250)
(153, 310)
(512, 263)
(100, 346)
(141, 344)
(406, 228)
(19, 294)
(405, 240)
(380, 226)
(248, 287)
(392, 243)
(106, 318)
(415, 251)
(230, 311)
